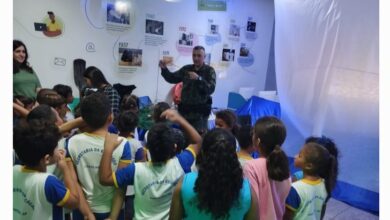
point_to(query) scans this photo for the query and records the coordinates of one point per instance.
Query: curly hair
(35, 139)
(230, 118)
(161, 142)
(220, 175)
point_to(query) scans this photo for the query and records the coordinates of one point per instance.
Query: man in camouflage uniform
(198, 85)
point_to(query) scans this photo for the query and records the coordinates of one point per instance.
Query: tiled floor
(337, 210)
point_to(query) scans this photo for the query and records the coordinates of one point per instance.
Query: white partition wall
(327, 71)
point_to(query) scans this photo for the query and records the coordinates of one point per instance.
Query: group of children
(175, 174)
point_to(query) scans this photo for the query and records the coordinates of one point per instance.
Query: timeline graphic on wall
(118, 17)
(129, 58)
(213, 35)
(186, 41)
(245, 58)
(115, 16)
(251, 29)
(154, 31)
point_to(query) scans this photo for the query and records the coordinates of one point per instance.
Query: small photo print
(234, 30)
(228, 54)
(130, 57)
(186, 39)
(118, 15)
(213, 29)
(154, 27)
(244, 52)
(251, 27)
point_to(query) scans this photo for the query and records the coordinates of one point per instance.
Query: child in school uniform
(126, 122)
(269, 175)
(85, 150)
(246, 146)
(46, 113)
(326, 142)
(308, 196)
(153, 181)
(38, 195)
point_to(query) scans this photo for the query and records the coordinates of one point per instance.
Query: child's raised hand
(171, 115)
(59, 156)
(111, 141)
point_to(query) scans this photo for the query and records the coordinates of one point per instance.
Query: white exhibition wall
(326, 60)
(88, 35)
(327, 70)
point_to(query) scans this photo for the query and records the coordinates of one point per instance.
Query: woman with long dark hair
(219, 190)
(25, 82)
(95, 78)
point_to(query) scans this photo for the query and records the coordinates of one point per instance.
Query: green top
(26, 84)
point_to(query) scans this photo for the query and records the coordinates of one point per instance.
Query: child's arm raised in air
(105, 171)
(174, 116)
(72, 201)
(72, 124)
(20, 109)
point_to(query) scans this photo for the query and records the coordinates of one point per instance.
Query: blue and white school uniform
(37, 195)
(86, 151)
(306, 199)
(154, 183)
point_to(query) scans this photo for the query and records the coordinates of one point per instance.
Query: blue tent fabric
(235, 101)
(356, 196)
(144, 101)
(258, 107)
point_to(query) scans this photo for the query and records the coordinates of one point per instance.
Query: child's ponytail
(277, 164)
(325, 165)
(271, 133)
(330, 174)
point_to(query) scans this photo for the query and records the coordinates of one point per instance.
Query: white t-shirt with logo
(86, 151)
(37, 195)
(154, 183)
